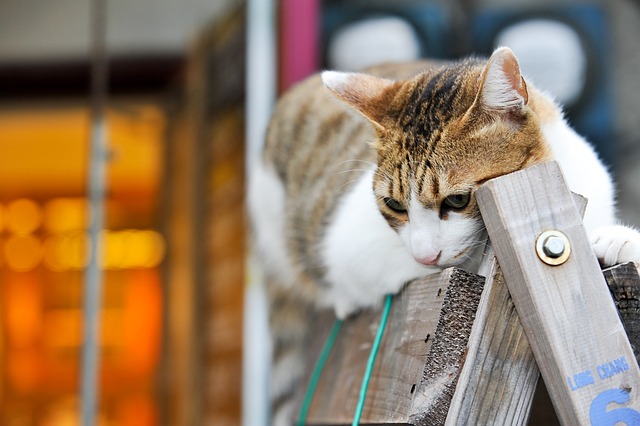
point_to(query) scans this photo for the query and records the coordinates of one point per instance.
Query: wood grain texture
(431, 404)
(624, 285)
(499, 377)
(567, 312)
(480, 374)
(456, 350)
(424, 328)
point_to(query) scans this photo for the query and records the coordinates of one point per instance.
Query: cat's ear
(502, 88)
(365, 93)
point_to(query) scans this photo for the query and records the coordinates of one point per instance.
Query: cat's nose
(430, 260)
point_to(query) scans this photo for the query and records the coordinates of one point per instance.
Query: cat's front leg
(616, 244)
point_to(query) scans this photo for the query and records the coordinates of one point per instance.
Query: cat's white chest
(364, 258)
(584, 173)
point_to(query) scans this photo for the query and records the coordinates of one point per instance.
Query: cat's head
(440, 135)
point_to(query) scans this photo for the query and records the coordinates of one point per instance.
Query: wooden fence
(458, 350)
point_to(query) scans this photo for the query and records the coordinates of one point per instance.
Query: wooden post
(566, 310)
(498, 380)
(487, 378)
(623, 282)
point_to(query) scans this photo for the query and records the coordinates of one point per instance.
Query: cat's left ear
(502, 88)
(367, 94)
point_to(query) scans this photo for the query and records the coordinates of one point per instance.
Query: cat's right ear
(367, 94)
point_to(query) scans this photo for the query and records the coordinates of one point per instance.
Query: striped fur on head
(446, 131)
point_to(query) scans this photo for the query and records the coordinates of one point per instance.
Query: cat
(367, 182)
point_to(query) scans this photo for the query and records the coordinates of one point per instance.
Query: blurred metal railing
(96, 185)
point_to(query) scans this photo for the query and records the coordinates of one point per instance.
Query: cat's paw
(616, 244)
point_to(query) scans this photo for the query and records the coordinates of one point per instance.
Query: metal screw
(553, 247)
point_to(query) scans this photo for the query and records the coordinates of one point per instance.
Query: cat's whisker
(345, 184)
(355, 160)
(377, 172)
(350, 171)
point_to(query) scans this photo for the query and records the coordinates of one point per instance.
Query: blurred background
(190, 86)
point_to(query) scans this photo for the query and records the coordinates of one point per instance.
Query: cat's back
(311, 132)
(315, 151)
(306, 122)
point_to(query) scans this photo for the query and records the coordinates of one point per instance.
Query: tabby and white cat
(353, 199)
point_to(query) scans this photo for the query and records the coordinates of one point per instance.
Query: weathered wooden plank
(567, 312)
(496, 375)
(429, 324)
(432, 400)
(624, 285)
(499, 377)
(483, 373)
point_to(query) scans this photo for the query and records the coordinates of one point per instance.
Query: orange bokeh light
(65, 214)
(44, 215)
(22, 307)
(23, 216)
(23, 253)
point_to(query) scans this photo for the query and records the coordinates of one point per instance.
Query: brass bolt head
(553, 247)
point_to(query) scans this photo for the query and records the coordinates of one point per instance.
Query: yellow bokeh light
(145, 249)
(64, 252)
(23, 216)
(127, 249)
(23, 253)
(75, 246)
(55, 257)
(157, 248)
(44, 217)
(114, 250)
(65, 214)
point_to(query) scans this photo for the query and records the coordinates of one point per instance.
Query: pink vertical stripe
(299, 40)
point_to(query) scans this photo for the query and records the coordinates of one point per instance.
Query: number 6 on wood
(599, 415)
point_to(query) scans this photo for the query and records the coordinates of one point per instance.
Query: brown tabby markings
(451, 143)
(316, 156)
(431, 138)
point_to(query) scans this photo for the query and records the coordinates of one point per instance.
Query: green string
(317, 372)
(322, 359)
(372, 360)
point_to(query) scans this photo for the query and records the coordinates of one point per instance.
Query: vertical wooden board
(624, 284)
(566, 311)
(499, 376)
(446, 358)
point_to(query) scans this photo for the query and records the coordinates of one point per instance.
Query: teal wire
(372, 360)
(317, 372)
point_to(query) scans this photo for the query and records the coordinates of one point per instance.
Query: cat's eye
(395, 205)
(457, 201)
